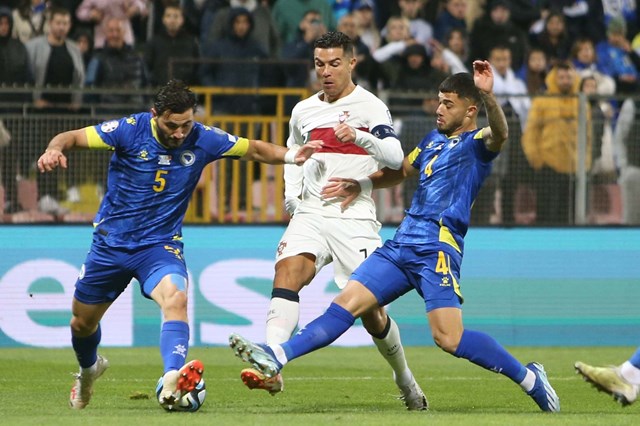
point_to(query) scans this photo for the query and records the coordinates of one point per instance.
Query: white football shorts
(346, 242)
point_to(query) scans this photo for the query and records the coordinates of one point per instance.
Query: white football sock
(282, 320)
(630, 373)
(529, 381)
(391, 349)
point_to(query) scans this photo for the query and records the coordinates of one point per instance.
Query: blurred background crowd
(567, 74)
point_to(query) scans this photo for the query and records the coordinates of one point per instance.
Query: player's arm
(269, 153)
(386, 150)
(53, 156)
(349, 189)
(495, 135)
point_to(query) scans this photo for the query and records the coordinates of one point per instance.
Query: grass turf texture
(332, 386)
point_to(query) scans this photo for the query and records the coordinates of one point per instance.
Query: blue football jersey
(149, 185)
(452, 170)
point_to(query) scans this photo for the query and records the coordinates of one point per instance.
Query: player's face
(173, 127)
(451, 113)
(333, 69)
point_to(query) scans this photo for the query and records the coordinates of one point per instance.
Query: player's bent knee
(375, 321)
(80, 327)
(446, 342)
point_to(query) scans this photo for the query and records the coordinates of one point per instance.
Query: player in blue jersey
(426, 252)
(158, 159)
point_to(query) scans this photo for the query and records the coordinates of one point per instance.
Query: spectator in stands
(626, 142)
(550, 144)
(389, 56)
(455, 51)
(119, 67)
(510, 169)
(451, 17)
(101, 12)
(534, 71)
(84, 39)
(55, 62)
(236, 55)
(554, 39)
(264, 27)
(289, 14)
(14, 72)
(309, 29)
(617, 59)
(172, 53)
(421, 30)
(366, 71)
(364, 15)
(524, 13)
(496, 28)
(30, 20)
(583, 57)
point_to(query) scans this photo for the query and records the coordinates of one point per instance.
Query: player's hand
(338, 187)
(483, 76)
(307, 150)
(51, 159)
(344, 133)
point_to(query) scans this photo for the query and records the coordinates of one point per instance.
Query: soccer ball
(191, 401)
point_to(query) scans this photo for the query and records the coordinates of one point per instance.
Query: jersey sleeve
(109, 134)
(480, 148)
(219, 143)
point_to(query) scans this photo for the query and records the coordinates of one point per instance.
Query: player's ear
(154, 113)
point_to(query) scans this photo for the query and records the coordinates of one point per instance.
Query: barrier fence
(591, 188)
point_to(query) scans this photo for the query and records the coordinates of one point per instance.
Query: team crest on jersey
(164, 160)
(109, 126)
(187, 158)
(453, 142)
(281, 247)
(343, 116)
(144, 155)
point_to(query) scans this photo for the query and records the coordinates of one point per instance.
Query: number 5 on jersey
(160, 181)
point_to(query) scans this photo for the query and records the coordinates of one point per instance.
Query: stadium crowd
(403, 46)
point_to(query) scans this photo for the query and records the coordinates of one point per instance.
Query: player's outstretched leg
(83, 386)
(609, 380)
(542, 393)
(260, 356)
(254, 379)
(176, 383)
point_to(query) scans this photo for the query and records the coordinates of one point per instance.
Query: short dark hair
(175, 96)
(462, 84)
(335, 39)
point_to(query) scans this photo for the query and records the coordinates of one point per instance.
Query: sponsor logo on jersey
(109, 126)
(131, 120)
(445, 282)
(187, 158)
(144, 155)
(82, 271)
(164, 160)
(343, 116)
(432, 145)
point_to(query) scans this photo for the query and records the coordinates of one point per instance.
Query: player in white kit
(358, 135)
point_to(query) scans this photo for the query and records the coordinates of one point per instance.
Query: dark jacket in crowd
(14, 62)
(169, 57)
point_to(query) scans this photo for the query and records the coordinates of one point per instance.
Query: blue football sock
(320, 332)
(635, 358)
(86, 348)
(174, 344)
(481, 349)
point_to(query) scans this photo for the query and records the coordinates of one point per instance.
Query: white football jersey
(313, 119)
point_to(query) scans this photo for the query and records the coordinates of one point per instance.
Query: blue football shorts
(107, 271)
(395, 269)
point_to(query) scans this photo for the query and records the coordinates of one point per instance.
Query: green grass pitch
(350, 386)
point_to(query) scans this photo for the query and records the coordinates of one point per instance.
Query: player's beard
(170, 142)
